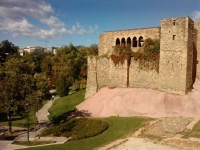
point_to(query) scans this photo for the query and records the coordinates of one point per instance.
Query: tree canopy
(7, 48)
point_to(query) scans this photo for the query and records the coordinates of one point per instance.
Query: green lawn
(119, 127)
(63, 106)
(32, 143)
(19, 121)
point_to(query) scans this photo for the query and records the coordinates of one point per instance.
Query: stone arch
(117, 41)
(134, 43)
(128, 41)
(123, 41)
(140, 41)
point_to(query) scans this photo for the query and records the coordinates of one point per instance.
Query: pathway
(43, 121)
(43, 112)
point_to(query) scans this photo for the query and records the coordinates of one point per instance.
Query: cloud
(78, 25)
(77, 30)
(19, 9)
(53, 22)
(96, 26)
(196, 16)
(22, 26)
(15, 35)
(18, 18)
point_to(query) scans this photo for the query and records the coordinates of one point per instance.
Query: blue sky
(25, 22)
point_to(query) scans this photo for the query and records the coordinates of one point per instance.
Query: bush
(77, 128)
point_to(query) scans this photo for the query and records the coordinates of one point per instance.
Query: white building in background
(52, 49)
(31, 49)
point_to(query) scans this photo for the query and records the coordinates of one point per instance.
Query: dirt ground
(142, 102)
(160, 134)
(174, 114)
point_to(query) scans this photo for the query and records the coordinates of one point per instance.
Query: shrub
(77, 128)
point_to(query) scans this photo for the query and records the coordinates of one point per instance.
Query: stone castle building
(178, 63)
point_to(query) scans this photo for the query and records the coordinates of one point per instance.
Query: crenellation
(178, 64)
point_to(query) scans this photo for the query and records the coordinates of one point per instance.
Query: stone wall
(174, 55)
(108, 39)
(117, 74)
(142, 78)
(179, 53)
(190, 50)
(91, 87)
(197, 47)
(102, 72)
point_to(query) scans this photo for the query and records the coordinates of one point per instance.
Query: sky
(80, 22)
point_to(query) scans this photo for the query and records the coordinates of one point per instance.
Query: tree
(36, 59)
(18, 87)
(62, 86)
(92, 50)
(7, 48)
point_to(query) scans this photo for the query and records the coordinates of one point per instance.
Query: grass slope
(119, 127)
(65, 105)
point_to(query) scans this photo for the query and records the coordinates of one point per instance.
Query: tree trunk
(128, 67)
(9, 122)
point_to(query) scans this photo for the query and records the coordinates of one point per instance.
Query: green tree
(7, 48)
(36, 59)
(62, 86)
(18, 88)
(92, 50)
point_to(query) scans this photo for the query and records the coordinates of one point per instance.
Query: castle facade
(178, 63)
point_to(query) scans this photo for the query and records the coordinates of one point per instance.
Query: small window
(174, 22)
(174, 37)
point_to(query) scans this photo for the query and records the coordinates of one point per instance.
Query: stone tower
(176, 55)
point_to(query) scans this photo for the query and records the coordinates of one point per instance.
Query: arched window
(134, 44)
(117, 41)
(123, 41)
(129, 41)
(141, 41)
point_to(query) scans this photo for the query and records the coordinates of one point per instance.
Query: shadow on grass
(3, 117)
(68, 115)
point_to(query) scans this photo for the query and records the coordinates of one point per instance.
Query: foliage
(119, 50)
(147, 56)
(77, 128)
(151, 46)
(18, 120)
(70, 63)
(7, 48)
(103, 55)
(65, 105)
(18, 88)
(92, 50)
(147, 62)
(119, 127)
(62, 86)
(42, 84)
(37, 60)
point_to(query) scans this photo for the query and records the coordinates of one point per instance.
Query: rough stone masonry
(178, 64)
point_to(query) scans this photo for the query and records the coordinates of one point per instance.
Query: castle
(178, 63)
